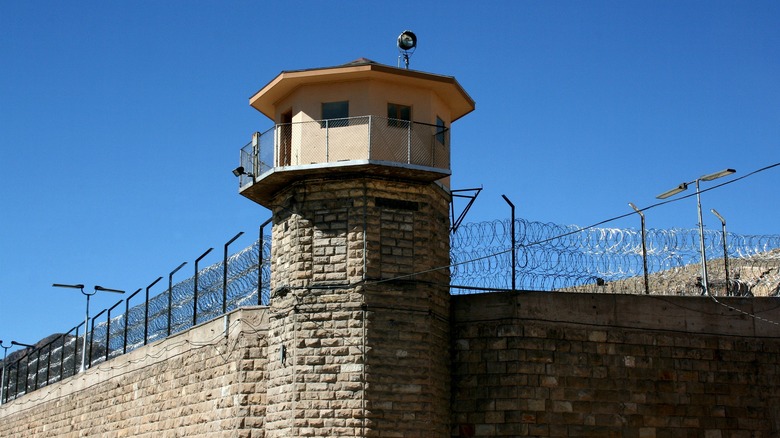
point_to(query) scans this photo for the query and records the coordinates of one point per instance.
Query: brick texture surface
(197, 383)
(539, 373)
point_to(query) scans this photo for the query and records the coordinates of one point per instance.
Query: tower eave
(447, 87)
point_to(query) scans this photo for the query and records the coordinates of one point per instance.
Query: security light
(105, 289)
(70, 286)
(407, 40)
(681, 188)
(238, 171)
(702, 250)
(717, 175)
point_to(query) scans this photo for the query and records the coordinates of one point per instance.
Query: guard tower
(356, 173)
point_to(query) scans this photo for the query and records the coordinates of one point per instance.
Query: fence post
(514, 268)
(48, 362)
(195, 291)
(108, 327)
(170, 294)
(225, 272)
(260, 262)
(16, 384)
(92, 337)
(37, 369)
(76, 349)
(127, 319)
(62, 355)
(146, 311)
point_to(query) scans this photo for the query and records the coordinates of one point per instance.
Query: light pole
(725, 250)
(644, 246)
(86, 318)
(709, 177)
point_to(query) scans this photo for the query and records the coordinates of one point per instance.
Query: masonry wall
(197, 383)
(557, 364)
(361, 344)
(524, 364)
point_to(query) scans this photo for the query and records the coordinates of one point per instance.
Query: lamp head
(105, 289)
(238, 171)
(681, 188)
(715, 212)
(407, 41)
(717, 175)
(69, 286)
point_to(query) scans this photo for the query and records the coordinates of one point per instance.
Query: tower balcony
(354, 146)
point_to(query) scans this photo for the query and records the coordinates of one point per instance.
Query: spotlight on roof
(407, 42)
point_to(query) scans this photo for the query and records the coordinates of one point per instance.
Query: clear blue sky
(121, 121)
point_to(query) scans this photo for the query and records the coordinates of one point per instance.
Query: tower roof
(447, 87)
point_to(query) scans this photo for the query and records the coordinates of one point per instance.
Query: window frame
(339, 109)
(441, 135)
(395, 118)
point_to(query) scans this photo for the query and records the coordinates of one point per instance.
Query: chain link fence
(348, 139)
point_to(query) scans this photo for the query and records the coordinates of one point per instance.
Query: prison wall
(207, 382)
(559, 364)
(523, 364)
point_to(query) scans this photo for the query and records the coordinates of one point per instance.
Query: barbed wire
(61, 357)
(565, 257)
(549, 257)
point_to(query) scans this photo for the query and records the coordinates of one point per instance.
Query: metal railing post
(327, 140)
(108, 328)
(37, 369)
(195, 292)
(408, 142)
(16, 383)
(92, 337)
(225, 271)
(48, 362)
(260, 262)
(514, 264)
(127, 319)
(146, 311)
(170, 291)
(62, 355)
(370, 121)
(76, 350)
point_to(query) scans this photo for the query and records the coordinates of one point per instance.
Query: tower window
(398, 115)
(441, 131)
(334, 110)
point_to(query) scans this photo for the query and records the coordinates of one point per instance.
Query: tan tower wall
(365, 344)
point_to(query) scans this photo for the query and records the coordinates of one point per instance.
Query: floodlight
(407, 40)
(105, 289)
(681, 188)
(717, 175)
(70, 286)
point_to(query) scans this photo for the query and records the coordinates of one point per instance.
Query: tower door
(285, 139)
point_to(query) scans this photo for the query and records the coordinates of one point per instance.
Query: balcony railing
(355, 139)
